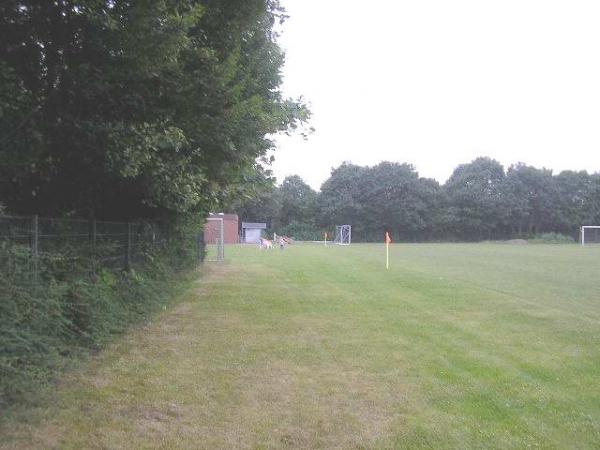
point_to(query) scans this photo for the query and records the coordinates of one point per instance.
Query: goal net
(590, 234)
(343, 235)
(214, 239)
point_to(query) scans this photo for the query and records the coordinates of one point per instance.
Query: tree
(387, 197)
(593, 212)
(531, 198)
(287, 209)
(577, 201)
(479, 201)
(136, 108)
(474, 193)
(339, 201)
(298, 202)
(261, 204)
(394, 199)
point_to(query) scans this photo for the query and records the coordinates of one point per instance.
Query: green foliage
(297, 202)
(289, 209)
(339, 202)
(31, 327)
(530, 194)
(259, 204)
(551, 238)
(136, 109)
(124, 110)
(478, 202)
(386, 197)
(301, 231)
(578, 196)
(48, 320)
(475, 198)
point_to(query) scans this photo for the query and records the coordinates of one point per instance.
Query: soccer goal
(590, 234)
(343, 235)
(214, 237)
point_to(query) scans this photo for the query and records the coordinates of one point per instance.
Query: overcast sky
(437, 83)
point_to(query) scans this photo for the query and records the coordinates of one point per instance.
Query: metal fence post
(94, 234)
(222, 249)
(128, 255)
(35, 244)
(93, 229)
(199, 242)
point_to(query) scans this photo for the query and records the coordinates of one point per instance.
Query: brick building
(230, 228)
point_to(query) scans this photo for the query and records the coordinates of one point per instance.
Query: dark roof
(262, 226)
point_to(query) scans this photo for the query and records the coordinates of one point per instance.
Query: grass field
(456, 346)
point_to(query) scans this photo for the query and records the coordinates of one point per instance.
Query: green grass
(456, 346)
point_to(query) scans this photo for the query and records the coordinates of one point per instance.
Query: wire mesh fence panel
(15, 229)
(213, 252)
(62, 246)
(66, 247)
(109, 241)
(15, 245)
(214, 238)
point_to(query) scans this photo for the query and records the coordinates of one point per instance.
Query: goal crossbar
(587, 227)
(343, 235)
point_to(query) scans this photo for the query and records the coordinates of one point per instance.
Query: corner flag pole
(387, 250)
(387, 256)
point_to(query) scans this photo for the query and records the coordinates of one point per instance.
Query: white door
(252, 235)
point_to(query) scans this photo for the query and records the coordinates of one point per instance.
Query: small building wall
(252, 235)
(252, 232)
(230, 228)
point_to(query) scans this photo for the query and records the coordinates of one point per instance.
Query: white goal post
(343, 235)
(589, 227)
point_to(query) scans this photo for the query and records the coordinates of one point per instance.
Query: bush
(551, 238)
(301, 232)
(67, 309)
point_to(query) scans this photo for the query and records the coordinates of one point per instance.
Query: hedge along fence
(112, 245)
(67, 286)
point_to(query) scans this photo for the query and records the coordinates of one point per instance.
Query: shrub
(67, 309)
(551, 238)
(301, 232)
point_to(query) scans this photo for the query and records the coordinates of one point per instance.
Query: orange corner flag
(388, 240)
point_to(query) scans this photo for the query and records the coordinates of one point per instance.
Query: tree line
(480, 201)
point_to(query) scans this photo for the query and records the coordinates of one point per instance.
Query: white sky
(437, 83)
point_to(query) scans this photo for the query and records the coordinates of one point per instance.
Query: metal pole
(387, 255)
(128, 255)
(222, 240)
(199, 240)
(34, 244)
(93, 231)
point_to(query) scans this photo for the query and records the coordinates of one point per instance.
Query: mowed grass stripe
(457, 346)
(535, 334)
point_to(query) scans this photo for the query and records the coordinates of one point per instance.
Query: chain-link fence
(71, 246)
